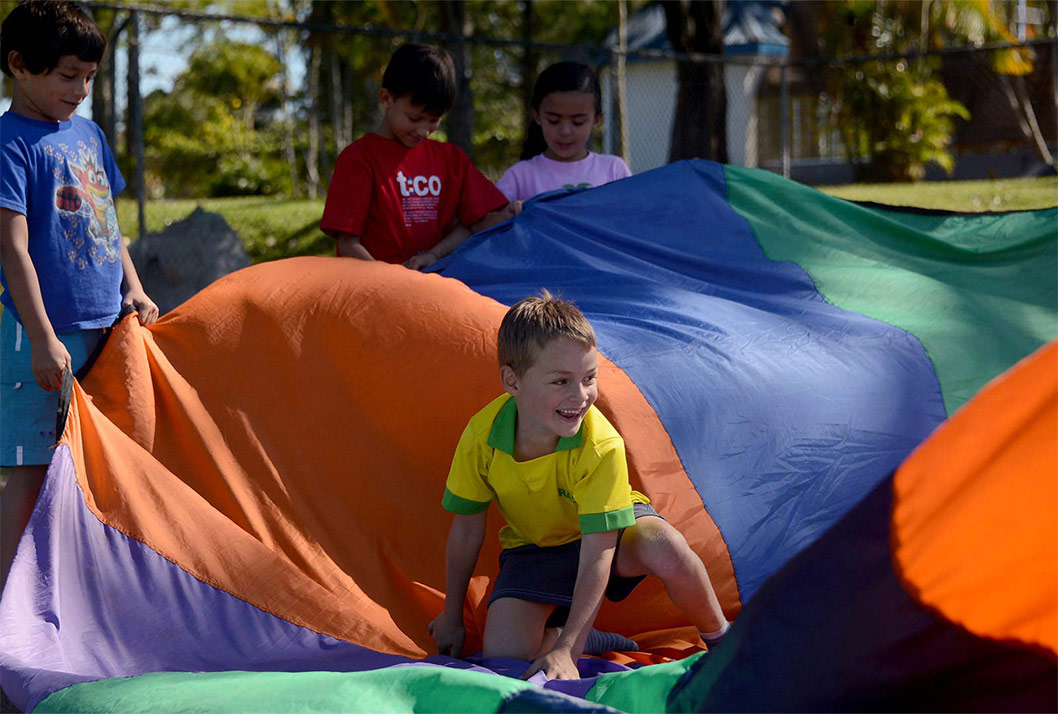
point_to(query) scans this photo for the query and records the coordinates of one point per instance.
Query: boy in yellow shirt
(575, 528)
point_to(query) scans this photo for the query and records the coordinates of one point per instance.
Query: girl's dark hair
(559, 77)
(426, 73)
(43, 32)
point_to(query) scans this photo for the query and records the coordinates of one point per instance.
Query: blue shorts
(548, 575)
(27, 412)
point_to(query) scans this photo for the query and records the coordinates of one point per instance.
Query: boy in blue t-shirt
(63, 262)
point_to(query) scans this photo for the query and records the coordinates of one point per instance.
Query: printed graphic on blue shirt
(85, 204)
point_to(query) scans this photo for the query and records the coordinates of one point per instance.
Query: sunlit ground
(967, 196)
(275, 227)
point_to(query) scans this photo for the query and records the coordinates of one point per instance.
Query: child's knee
(497, 644)
(664, 552)
(514, 629)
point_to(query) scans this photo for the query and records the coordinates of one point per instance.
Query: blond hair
(533, 322)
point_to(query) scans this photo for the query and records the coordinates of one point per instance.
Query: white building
(753, 39)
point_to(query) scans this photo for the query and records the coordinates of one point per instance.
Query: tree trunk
(288, 120)
(348, 107)
(699, 127)
(337, 118)
(134, 126)
(1027, 118)
(460, 122)
(103, 111)
(529, 62)
(803, 28)
(312, 154)
(622, 90)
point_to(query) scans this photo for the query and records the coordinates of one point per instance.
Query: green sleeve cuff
(457, 504)
(602, 522)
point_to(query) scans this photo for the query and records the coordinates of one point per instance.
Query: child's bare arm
(461, 555)
(459, 234)
(135, 295)
(48, 356)
(349, 246)
(506, 213)
(445, 246)
(593, 572)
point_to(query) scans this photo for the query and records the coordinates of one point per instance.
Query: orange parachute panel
(304, 415)
(977, 510)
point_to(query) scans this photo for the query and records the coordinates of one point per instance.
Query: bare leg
(17, 498)
(653, 547)
(550, 637)
(515, 628)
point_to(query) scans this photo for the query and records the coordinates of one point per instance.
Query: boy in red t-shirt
(398, 196)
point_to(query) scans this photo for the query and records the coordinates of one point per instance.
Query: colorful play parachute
(243, 513)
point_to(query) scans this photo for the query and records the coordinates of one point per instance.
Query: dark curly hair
(43, 31)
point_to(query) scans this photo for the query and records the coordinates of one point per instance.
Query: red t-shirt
(401, 201)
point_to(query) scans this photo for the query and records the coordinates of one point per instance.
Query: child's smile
(553, 395)
(54, 96)
(572, 415)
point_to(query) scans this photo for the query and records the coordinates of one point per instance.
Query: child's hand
(513, 209)
(48, 362)
(448, 635)
(421, 260)
(146, 310)
(556, 664)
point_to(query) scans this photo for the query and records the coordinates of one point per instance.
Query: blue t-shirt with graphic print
(62, 177)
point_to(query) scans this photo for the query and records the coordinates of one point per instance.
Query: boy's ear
(16, 64)
(385, 98)
(509, 379)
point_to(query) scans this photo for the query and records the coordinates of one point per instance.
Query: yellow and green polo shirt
(582, 487)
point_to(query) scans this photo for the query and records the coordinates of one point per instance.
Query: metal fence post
(784, 134)
(136, 117)
(622, 94)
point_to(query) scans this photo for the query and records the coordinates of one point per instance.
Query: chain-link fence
(226, 105)
(993, 108)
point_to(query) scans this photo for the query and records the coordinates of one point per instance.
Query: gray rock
(187, 256)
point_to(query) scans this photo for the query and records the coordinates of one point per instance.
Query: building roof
(751, 27)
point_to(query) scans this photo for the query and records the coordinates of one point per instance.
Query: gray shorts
(548, 575)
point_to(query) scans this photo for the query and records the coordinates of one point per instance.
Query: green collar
(502, 435)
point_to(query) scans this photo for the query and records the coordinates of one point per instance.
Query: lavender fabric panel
(85, 602)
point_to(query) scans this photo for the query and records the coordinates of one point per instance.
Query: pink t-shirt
(540, 174)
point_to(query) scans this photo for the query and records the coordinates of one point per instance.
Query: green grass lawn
(965, 196)
(275, 227)
(270, 227)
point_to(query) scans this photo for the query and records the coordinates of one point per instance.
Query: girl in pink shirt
(566, 105)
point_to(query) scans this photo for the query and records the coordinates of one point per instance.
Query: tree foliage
(207, 126)
(239, 74)
(898, 119)
(915, 118)
(893, 115)
(497, 74)
(232, 116)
